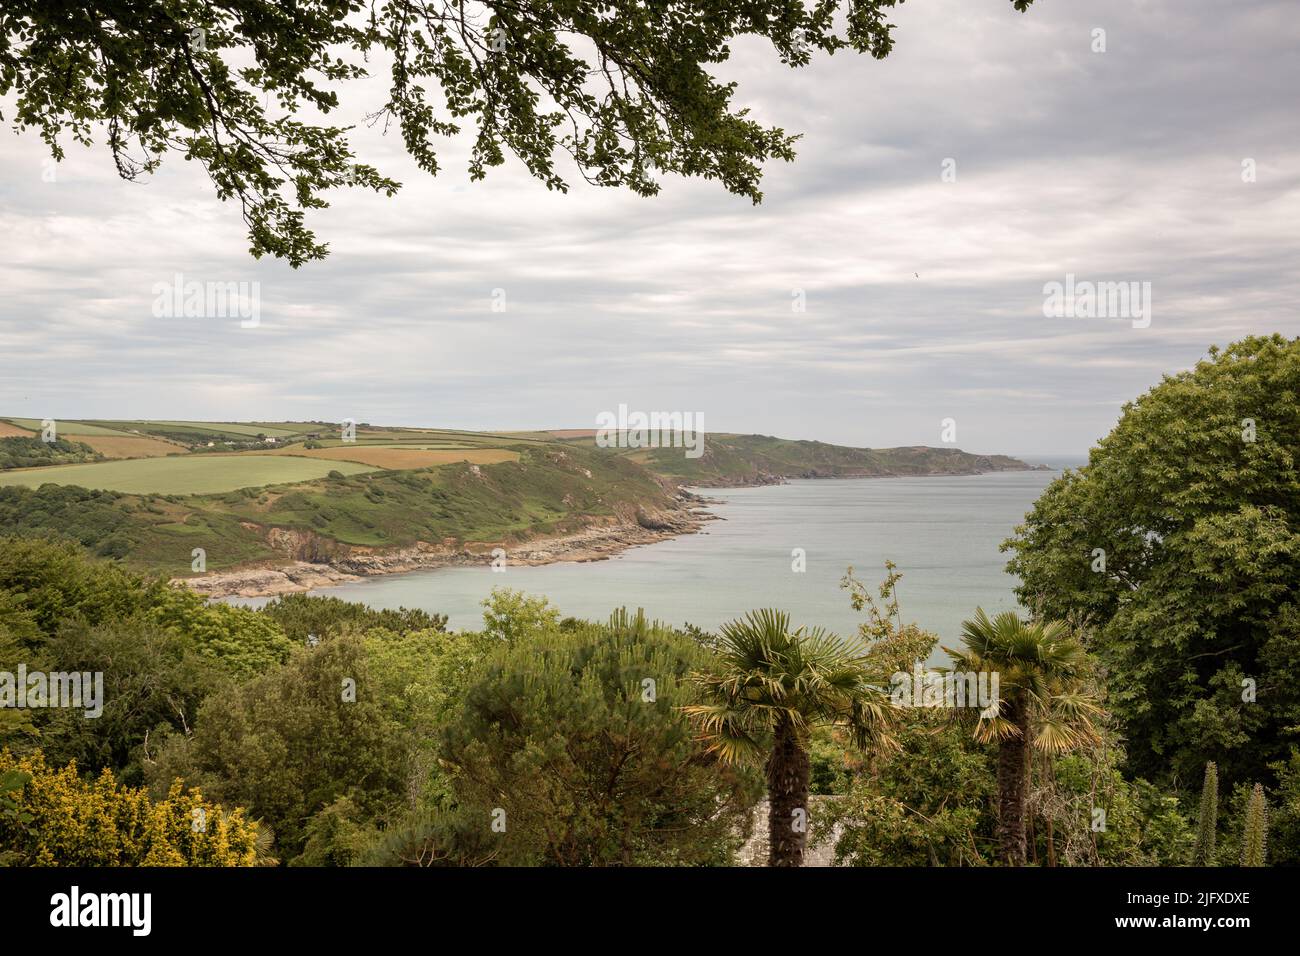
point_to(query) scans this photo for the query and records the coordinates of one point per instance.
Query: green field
(184, 475)
(205, 431)
(67, 428)
(389, 443)
(222, 428)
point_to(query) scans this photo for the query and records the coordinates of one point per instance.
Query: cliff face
(600, 538)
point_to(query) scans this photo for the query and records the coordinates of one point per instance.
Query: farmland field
(64, 429)
(390, 457)
(183, 475)
(228, 428)
(366, 441)
(13, 431)
(132, 446)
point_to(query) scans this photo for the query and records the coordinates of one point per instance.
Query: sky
(936, 193)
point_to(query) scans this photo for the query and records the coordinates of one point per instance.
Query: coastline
(599, 540)
(764, 479)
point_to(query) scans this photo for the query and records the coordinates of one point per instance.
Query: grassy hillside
(548, 489)
(276, 491)
(191, 474)
(753, 459)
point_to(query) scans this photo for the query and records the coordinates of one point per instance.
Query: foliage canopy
(626, 89)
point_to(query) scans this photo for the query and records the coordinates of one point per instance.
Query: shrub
(58, 819)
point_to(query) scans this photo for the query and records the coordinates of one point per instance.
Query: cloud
(923, 297)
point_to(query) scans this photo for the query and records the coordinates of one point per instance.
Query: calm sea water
(943, 533)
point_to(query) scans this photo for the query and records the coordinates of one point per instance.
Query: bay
(943, 534)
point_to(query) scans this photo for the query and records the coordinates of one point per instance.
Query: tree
(1178, 547)
(242, 641)
(570, 749)
(927, 806)
(291, 742)
(336, 835)
(509, 615)
(158, 650)
(624, 88)
(54, 581)
(1255, 839)
(154, 681)
(437, 838)
(1208, 821)
(33, 452)
(1083, 811)
(1043, 705)
(17, 726)
(421, 679)
(302, 617)
(771, 686)
(892, 646)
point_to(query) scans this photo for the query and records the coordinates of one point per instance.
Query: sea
(784, 546)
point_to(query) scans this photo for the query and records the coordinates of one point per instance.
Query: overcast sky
(924, 297)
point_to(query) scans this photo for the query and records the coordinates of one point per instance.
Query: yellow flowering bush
(52, 817)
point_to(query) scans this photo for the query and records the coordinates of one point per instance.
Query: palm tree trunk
(1013, 771)
(788, 773)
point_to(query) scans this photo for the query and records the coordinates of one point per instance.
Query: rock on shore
(599, 541)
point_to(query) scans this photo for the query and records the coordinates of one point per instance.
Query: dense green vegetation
(1176, 551)
(146, 531)
(550, 489)
(20, 452)
(318, 732)
(573, 742)
(1144, 714)
(746, 459)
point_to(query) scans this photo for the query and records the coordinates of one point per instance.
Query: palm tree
(773, 685)
(1043, 705)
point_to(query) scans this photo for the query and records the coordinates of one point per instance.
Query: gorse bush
(58, 819)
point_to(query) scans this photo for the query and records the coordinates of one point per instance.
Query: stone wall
(819, 852)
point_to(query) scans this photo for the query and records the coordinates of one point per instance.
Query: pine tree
(1209, 820)
(1254, 842)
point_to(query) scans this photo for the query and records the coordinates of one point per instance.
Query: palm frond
(992, 730)
(771, 675)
